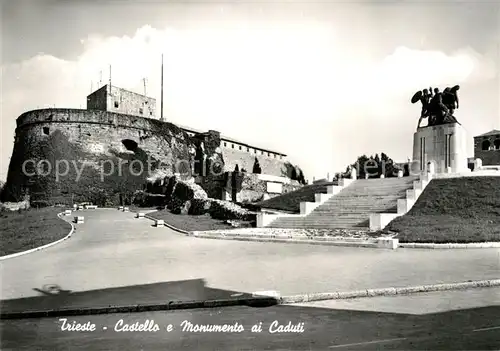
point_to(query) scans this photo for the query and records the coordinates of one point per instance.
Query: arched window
(485, 145)
(497, 144)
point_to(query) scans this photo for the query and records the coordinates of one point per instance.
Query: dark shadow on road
(54, 297)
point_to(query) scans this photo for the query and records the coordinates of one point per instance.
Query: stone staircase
(353, 205)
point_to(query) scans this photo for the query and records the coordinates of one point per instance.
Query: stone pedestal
(445, 146)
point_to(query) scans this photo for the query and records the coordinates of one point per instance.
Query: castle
(62, 152)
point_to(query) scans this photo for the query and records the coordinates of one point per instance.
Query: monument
(439, 147)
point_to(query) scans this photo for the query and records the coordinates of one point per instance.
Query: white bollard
(139, 215)
(79, 219)
(120, 208)
(126, 209)
(159, 222)
(382, 176)
(67, 213)
(400, 174)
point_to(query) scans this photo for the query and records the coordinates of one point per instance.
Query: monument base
(440, 149)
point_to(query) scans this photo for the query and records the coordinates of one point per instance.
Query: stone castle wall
(269, 164)
(90, 140)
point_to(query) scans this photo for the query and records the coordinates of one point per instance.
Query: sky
(321, 81)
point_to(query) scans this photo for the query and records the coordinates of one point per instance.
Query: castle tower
(114, 99)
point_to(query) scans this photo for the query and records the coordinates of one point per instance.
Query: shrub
(227, 210)
(182, 195)
(144, 199)
(200, 206)
(40, 203)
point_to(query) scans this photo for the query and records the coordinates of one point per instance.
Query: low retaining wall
(382, 242)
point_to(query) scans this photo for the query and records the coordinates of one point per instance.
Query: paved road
(113, 249)
(323, 329)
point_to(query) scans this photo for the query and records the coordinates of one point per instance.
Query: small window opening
(46, 130)
(486, 145)
(497, 144)
(116, 104)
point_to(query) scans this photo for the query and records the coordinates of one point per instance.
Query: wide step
(351, 208)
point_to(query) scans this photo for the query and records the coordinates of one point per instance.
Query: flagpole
(110, 79)
(161, 115)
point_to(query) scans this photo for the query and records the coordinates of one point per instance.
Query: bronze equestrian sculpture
(437, 106)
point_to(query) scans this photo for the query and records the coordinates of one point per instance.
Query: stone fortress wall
(243, 155)
(236, 152)
(120, 126)
(100, 135)
(89, 136)
(101, 131)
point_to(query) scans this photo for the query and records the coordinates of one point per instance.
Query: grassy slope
(453, 210)
(291, 201)
(192, 223)
(29, 229)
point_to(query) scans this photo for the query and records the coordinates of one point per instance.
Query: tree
(236, 168)
(256, 167)
(300, 177)
(293, 176)
(374, 166)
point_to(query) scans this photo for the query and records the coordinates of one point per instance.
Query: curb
(168, 225)
(288, 240)
(326, 242)
(43, 246)
(389, 291)
(379, 243)
(262, 301)
(169, 306)
(485, 245)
